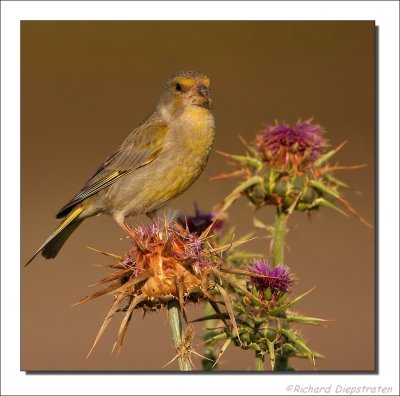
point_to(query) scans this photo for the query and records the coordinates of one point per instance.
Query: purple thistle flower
(277, 279)
(200, 221)
(304, 139)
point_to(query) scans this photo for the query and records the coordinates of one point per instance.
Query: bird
(157, 162)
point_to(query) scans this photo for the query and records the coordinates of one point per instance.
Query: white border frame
(385, 13)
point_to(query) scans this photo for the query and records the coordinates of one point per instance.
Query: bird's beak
(201, 97)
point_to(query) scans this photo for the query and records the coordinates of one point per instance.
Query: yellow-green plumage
(157, 162)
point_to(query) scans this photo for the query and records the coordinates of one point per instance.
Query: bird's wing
(140, 148)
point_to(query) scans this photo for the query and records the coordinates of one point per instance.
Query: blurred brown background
(86, 85)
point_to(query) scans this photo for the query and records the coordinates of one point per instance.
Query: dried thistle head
(166, 261)
(288, 167)
(171, 259)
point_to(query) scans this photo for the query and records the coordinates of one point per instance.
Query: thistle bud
(200, 221)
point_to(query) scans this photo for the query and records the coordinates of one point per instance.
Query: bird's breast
(194, 131)
(188, 146)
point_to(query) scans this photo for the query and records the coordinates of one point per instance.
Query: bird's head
(185, 89)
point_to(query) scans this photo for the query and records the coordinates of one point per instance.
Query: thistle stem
(278, 250)
(175, 322)
(259, 362)
(278, 241)
(282, 363)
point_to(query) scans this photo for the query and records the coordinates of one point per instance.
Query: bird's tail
(56, 240)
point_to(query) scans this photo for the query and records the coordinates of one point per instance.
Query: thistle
(167, 266)
(288, 167)
(264, 318)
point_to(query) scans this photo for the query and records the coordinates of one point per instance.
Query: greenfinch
(157, 162)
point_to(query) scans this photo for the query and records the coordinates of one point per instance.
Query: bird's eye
(178, 87)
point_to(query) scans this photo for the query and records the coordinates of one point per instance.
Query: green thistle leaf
(277, 312)
(298, 298)
(223, 349)
(327, 204)
(247, 161)
(254, 347)
(282, 299)
(235, 194)
(299, 343)
(218, 337)
(290, 348)
(298, 183)
(323, 188)
(333, 180)
(213, 316)
(268, 294)
(304, 319)
(259, 224)
(327, 156)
